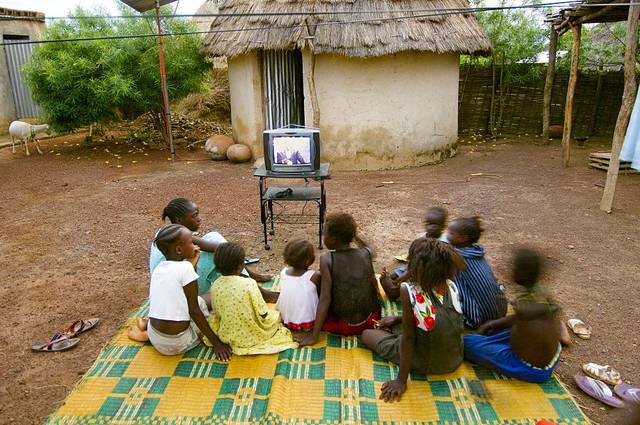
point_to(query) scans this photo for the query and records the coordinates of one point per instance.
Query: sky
(62, 7)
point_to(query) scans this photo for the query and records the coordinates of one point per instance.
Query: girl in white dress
(298, 300)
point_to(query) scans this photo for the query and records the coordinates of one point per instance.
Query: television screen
(292, 150)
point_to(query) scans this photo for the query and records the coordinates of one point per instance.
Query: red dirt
(76, 231)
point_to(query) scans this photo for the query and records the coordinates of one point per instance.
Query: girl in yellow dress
(240, 316)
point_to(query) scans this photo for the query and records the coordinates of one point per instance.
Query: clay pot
(217, 146)
(239, 153)
(555, 131)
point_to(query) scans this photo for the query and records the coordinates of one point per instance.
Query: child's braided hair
(432, 262)
(229, 257)
(167, 237)
(177, 208)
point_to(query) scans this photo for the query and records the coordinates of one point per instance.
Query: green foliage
(517, 37)
(80, 83)
(602, 47)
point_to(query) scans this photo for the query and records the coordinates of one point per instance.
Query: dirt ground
(76, 231)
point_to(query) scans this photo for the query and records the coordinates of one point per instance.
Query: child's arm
(222, 350)
(323, 303)
(392, 390)
(391, 288)
(205, 245)
(316, 279)
(497, 325)
(361, 243)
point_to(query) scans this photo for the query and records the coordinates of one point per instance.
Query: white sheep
(24, 132)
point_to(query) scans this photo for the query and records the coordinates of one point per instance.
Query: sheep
(23, 132)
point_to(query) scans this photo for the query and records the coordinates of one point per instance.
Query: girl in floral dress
(240, 315)
(427, 338)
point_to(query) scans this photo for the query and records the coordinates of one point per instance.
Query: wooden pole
(568, 107)
(548, 84)
(163, 85)
(628, 97)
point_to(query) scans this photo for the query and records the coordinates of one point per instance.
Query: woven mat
(337, 381)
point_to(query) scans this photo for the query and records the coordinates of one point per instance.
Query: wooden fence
(595, 110)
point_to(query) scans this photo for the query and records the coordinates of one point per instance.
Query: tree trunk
(548, 84)
(501, 98)
(628, 97)
(492, 108)
(568, 107)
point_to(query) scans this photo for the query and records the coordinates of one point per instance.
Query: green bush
(84, 82)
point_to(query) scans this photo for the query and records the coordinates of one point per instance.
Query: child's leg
(371, 337)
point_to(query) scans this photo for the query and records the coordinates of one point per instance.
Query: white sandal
(604, 373)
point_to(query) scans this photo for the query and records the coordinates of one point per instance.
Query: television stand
(303, 193)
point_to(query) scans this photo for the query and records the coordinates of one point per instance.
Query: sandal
(79, 326)
(604, 373)
(57, 343)
(402, 258)
(598, 390)
(627, 392)
(578, 327)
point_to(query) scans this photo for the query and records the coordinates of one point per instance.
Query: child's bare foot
(565, 338)
(136, 334)
(141, 323)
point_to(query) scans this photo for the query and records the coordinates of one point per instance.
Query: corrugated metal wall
(17, 56)
(283, 92)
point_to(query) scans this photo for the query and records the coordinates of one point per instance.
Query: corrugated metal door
(283, 93)
(17, 56)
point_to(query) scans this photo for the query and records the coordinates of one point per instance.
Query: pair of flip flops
(67, 338)
(597, 385)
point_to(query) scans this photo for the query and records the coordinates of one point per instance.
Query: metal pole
(163, 85)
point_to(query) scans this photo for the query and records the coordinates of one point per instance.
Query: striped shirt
(481, 296)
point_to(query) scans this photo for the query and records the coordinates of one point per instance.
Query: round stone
(217, 146)
(239, 153)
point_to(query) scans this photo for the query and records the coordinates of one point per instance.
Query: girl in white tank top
(298, 300)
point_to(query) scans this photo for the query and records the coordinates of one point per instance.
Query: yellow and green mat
(337, 381)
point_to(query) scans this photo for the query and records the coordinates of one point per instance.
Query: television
(292, 150)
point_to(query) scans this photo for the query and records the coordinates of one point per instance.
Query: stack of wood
(600, 160)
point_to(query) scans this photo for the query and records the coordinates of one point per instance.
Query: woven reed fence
(522, 111)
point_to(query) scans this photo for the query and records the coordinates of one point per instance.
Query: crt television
(291, 150)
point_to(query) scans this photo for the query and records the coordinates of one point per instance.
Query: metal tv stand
(304, 193)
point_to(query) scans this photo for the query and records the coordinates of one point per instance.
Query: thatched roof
(372, 34)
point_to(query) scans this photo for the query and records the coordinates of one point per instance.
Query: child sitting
(435, 221)
(176, 313)
(427, 338)
(184, 211)
(349, 298)
(241, 317)
(481, 296)
(527, 343)
(298, 300)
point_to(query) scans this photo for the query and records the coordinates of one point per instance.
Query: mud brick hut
(379, 78)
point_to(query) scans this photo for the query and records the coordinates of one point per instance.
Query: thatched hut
(379, 78)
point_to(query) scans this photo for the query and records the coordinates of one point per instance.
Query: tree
(84, 82)
(517, 37)
(602, 47)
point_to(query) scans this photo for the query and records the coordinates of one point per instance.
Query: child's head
(432, 262)
(464, 231)
(299, 254)
(229, 258)
(527, 267)
(435, 220)
(183, 211)
(175, 242)
(340, 229)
